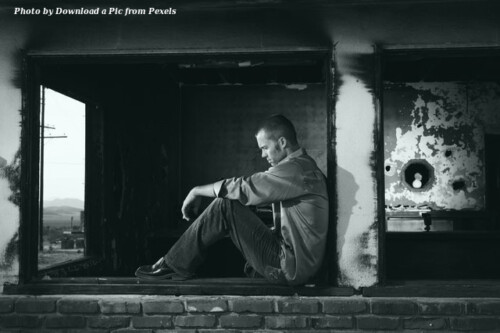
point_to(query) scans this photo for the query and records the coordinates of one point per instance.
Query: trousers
(259, 245)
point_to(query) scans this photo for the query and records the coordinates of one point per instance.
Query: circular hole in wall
(458, 185)
(448, 153)
(418, 175)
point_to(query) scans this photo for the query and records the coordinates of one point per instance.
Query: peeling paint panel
(443, 124)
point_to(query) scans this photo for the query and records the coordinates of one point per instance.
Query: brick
(78, 306)
(162, 307)
(82, 330)
(21, 321)
(6, 305)
(286, 322)
(152, 322)
(240, 321)
(332, 322)
(65, 322)
(224, 330)
(130, 330)
(120, 307)
(178, 330)
(394, 308)
(195, 321)
(377, 323)
(344, 306)
(425, 323)
(35, 305)
(441, 308)
(42, 330)
(251, 305)
(298, 306)
(201, 305)
(307, 330)
(485, 308)
(473, 323)
(108, 322)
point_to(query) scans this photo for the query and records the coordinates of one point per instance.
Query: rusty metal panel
(443, 124)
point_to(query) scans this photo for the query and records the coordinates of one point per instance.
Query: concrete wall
(354, 29)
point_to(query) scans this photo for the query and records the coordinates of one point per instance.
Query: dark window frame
(29, 278)
(416, 287)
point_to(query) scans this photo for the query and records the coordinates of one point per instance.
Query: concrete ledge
(436, 289)
(223, 286)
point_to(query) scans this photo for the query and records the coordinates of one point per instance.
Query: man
(293, 185)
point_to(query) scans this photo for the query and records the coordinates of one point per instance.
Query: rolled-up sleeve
(217, 188)
(283, 182)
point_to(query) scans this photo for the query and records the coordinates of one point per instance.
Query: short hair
(277, 126)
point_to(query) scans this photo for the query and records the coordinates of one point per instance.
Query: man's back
(304, 218)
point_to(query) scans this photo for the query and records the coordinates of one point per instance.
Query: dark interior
(157, 127)
(439, 66)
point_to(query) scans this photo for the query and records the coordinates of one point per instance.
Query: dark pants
(258, 244)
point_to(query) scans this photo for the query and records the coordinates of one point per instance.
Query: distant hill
(69, 202)
(61, 216)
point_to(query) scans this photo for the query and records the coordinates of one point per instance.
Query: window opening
(147, 126)
(439, 114)
(62, 179)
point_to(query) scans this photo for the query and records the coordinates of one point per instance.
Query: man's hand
(191, 205)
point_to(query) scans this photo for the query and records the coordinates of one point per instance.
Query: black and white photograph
(249, 166)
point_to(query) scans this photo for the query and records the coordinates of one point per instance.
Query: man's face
(272, 150)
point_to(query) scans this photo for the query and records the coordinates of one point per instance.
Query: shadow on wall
(347, 188)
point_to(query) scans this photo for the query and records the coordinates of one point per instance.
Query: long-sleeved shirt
(299, 187)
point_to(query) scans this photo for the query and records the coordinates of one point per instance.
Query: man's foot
(159, 271)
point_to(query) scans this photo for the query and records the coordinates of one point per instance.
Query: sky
(64, 167)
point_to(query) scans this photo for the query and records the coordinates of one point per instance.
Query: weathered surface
(443, 124)
(355, 314)
(357, 244)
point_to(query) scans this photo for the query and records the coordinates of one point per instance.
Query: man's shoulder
(298, 164)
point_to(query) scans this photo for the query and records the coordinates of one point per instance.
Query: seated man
(294, 186)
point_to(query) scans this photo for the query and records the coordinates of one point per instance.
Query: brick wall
(113, 313)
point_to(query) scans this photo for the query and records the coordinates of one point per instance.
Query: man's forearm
(204, 191)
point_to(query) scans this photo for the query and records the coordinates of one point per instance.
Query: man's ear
(282, 142)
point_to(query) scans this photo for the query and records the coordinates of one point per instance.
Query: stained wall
(443, 123)
(220, 121)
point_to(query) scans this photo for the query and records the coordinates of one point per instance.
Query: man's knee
(228, 207)
(219, 203)
(226, 203)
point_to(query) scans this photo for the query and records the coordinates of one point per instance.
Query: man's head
(276, 138)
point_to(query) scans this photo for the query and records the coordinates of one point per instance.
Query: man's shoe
(159, 271)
